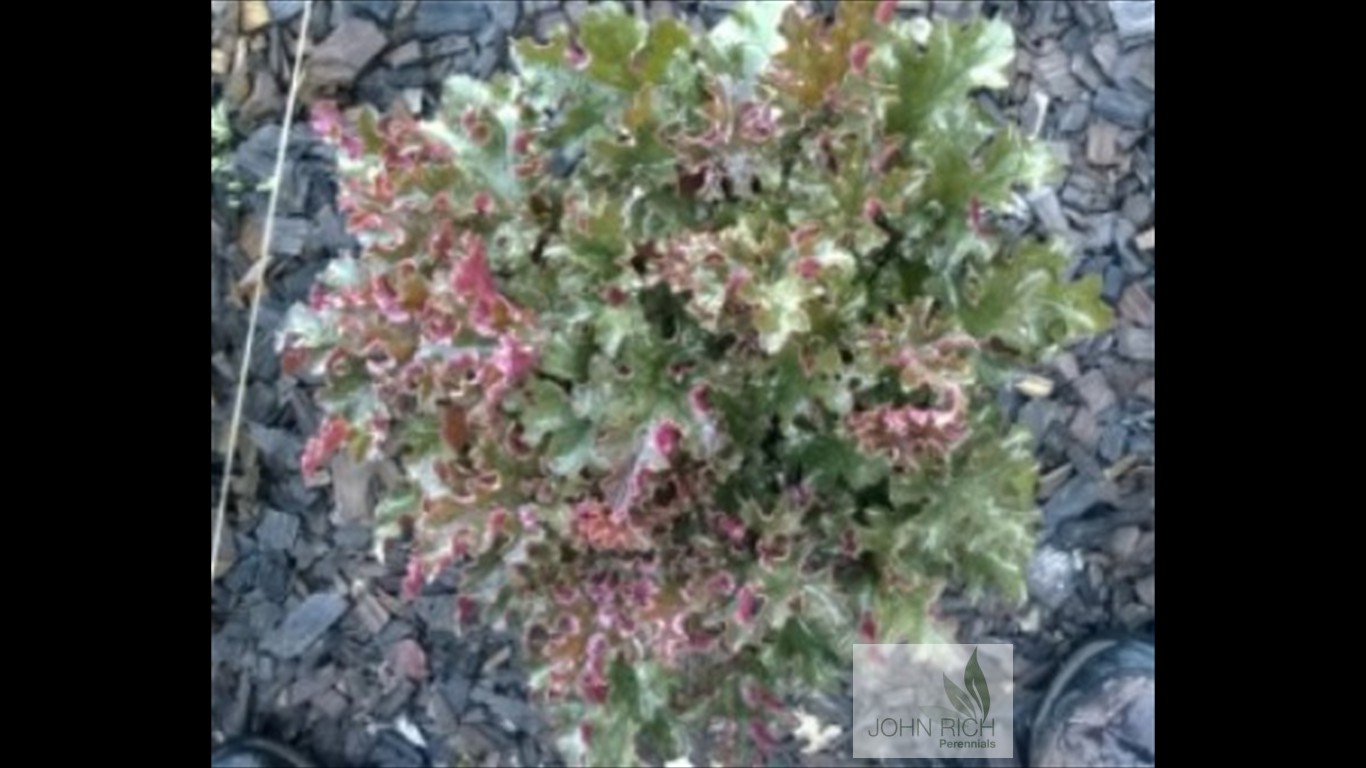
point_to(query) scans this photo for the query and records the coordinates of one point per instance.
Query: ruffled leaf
(1026, 302)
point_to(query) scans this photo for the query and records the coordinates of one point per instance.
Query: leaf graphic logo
(973, 700)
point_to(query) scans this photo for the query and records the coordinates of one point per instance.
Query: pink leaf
(746, 605)
(666, 437)
(867, 628)
(872, 209)
(885, 13)
(466, 610)
(472, 279)
(407, 659)
(805, 235)
(975, 216)
(483, 204)
(415, 579)
(576, 56)
(731, 528)
(322, 447)
(325, 119)
(762, 736)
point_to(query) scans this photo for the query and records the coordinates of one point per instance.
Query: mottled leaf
(932, 81)
(610, 37)
(749, 36)
(1027, 303)
(687, 349)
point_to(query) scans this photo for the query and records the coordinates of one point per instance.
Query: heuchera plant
(688, 346)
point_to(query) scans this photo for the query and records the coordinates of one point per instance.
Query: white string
(260, 271)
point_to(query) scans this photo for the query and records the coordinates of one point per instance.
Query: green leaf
(219, 118)
(367, 128)
(975, 522)
(910, 490)
(749, 36)
(805, 650)
(1025, 302)
(991, 51)
(638, 690)
(667, 37)
(568, 352)
(549, 411)
(933, 82)
(816, 58)
(903, 613)
(831, 462)
(492, 164)
(969, 163)
(402, 503)
(1009, 160)
(782, 313)
(614, 325)
(597, 239)
(625, 689)
(309, 329)
(344, 273)
(534, 59)
(571, 448)
(610, 37)
(640, 156)
(613, 743)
